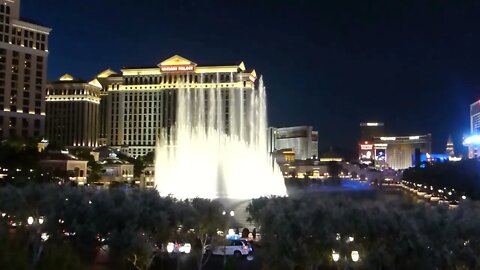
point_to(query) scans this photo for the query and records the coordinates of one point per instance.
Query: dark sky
(412, 64)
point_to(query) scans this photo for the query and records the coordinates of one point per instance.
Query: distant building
(64, 163)
(398, 152)
(147, 179)
(115, 170)
(475, 117)
(73, 108)
(23, 73)
(450, 149)
(473, 140)
(302, 140)
(370, 130)
(142, 101)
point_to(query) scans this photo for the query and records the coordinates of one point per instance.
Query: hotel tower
(23, 72)
(141, 102)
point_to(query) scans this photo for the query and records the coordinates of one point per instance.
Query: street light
(232, 213)
(335, 256)
(30, 220)
(40, 220)
(355, 256)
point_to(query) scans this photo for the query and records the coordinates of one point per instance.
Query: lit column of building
(23, 72)
(73, 117)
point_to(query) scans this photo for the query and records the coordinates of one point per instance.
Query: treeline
(80, 221)
(388, 232)
(463, 176)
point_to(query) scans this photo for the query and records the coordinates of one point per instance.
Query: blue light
(472, 140)
(233, 237)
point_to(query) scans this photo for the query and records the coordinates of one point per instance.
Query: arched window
(8, 9)
(2, 8)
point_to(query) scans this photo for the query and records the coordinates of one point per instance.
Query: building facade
(141, 102)
(63, 163)
(370, 130)
(73, 112)
(398, 152)
(303, 140)
(23, 72)
(473, 140)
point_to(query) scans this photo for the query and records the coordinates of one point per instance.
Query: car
(232, 247)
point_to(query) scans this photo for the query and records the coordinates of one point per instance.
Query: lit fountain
(201, 160)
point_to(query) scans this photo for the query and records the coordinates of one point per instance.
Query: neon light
(177, 68)
(414, 137)
(366, 147)
(388, 138)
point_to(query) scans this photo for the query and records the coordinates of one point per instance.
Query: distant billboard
(380, 154)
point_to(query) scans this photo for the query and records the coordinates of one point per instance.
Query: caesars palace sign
(179, 68)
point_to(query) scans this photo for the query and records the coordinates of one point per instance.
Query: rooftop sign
(181, 68)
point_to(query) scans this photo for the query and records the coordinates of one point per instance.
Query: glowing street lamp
(232, 213)
(335, 256)
(30, 220)
(40, 220)
(355, 256)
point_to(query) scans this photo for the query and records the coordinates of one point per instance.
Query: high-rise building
(400, 151)
(106, 78)
(303, 140)
(366, 151)
(141, 102)
(73, 112)
(370, 130)
(23, 72)
(450, 149)
(475, 117)
(473, 141)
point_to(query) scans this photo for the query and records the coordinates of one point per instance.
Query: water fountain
(217, 147)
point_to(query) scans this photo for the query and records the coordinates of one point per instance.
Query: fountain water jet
(217, 147)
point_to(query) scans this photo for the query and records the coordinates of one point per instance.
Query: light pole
(343, 246)
(36, 237)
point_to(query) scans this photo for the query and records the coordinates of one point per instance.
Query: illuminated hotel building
(398, 152)
(475, 117)
(370, 130)
(23, 69)
(142, 101)
(473, 141)
(302, 140)
(367, 152)
(73, 108)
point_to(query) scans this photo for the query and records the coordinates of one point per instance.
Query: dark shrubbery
(389, 233)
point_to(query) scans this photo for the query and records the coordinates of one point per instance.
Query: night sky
(412, 64)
